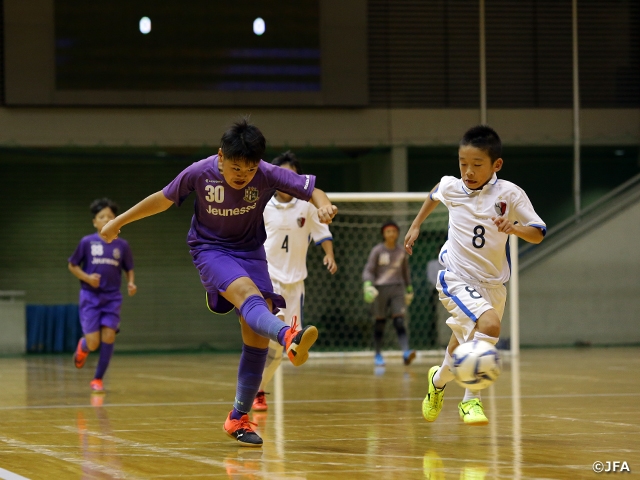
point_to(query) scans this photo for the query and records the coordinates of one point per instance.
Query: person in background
(99, 265)
(387, 284)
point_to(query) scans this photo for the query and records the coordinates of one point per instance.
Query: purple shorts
(218, 268)
(99, 310)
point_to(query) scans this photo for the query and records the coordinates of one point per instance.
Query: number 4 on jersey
(285, 244)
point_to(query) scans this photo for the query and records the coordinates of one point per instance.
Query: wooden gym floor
(552, 416)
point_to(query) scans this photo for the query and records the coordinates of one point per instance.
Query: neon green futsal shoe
(432, 403)
(472, 412)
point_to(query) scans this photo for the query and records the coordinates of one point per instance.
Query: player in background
(483, 211)
(226, 241)
(387, 284)
(291, 224)
(98, 266)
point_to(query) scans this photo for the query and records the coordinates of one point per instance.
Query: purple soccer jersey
(229, 218)
(95, 255)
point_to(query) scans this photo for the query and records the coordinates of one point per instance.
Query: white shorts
(466, 302)
(293, 294)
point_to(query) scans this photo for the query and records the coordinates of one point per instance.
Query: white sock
(486, 338)
(274, 358)
(469, 395)
(444, 375)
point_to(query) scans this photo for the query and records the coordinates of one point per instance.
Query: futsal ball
(476, 364)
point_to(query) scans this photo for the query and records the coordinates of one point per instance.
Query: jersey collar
(492, 181)
(278, 204)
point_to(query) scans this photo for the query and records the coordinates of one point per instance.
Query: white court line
(7, 475)
(329, 400)
(185, 380)
(570, 419)
(163, 451)
(66, 458)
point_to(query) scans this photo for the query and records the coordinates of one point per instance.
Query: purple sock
(281, 335)
(250, 370)
(83, 345)
(106, 350)
(256, 313)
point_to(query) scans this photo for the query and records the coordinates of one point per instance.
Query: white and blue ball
(476, 364)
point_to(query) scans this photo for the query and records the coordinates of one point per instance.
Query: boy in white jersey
(291, 224)
(483, 211)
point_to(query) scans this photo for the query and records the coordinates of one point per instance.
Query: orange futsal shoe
(80, 356)
(96, 385)
(242, 431)
(260, 402)
(298, 342)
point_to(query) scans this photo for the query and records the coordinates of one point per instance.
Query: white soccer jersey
(290, 227)
(475, 250)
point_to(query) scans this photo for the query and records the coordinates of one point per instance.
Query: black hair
(288, 158)
(389, 223)
(243, 141)
(483, 138)
(101, 203)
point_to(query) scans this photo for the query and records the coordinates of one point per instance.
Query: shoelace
(246, 425)
(476, 409)
(294, 323)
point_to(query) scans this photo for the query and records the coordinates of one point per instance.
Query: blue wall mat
(52, 328)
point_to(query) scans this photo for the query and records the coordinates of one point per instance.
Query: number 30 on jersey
(215, 194)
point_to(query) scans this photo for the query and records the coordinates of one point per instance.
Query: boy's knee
(398, 323)
(489, 323)
(243, 288)
(108, 335)
(92, 343)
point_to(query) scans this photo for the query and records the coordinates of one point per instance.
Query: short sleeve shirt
(475, 250)
(228, 218)
(290, 227)
(94, 255)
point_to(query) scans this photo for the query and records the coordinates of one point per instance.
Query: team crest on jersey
(501, 208)
(251, 194)
(116, 253)
(301, 221)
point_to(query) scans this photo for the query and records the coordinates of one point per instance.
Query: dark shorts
(219, 268)
(390, 299)
(99, 310)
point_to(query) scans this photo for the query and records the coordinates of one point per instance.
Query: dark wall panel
(426, 54)
(609, 42)
(528, 54)
(423, 54)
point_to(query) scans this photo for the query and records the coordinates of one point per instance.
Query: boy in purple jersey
(98, 266)
(226, 242)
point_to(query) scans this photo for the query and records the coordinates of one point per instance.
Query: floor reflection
(516, 400)
(434, 469)
(93, 428)
(246, 464)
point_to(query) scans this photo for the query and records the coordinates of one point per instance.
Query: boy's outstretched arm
(428, 206)
(326, 211)
(154, 203)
